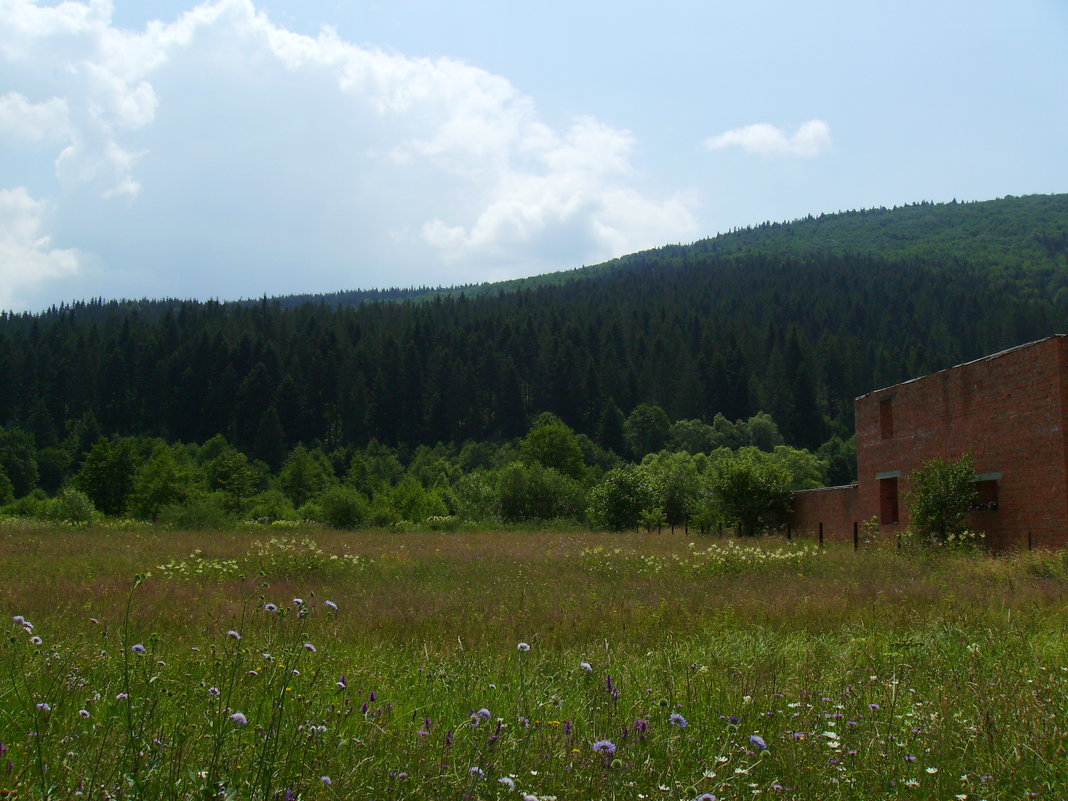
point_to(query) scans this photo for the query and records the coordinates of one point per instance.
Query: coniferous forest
(677, 349)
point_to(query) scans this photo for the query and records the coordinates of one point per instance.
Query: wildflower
(932, 770)
(233, 634)
(298, 602)
(873, 706)
(36, 640)
(733, 719)
(678, 720)
(44, 707)
(586, 666)
(326, 780)
(138, 648)
(94, 621)
(83, 712)
(484, 713)
(239, 719)
(19, 620)
(507, 782)
(122, 696)
(477, 771)
(604, 747)
(270, 608)
(331, 606)
(308, 646)
(705, 797)
(343, 682)
(758, 741)
(641, 725)
(910, 758)
(523, 647)
(213, 691)
(529, 797)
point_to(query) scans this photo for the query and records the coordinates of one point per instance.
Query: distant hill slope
(795, 319)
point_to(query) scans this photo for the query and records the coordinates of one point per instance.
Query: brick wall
(835, 507)
(1008, 410)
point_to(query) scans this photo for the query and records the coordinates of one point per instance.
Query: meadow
(302, 663)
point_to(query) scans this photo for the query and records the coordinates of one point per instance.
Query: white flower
(523, 647)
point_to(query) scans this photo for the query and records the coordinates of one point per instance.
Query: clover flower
(239, 719)
(678, 720)
(604, 747)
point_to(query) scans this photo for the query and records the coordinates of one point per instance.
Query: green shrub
(271, 506)
(71, 506)
(204, 512)
(342, 507)
(33, 505)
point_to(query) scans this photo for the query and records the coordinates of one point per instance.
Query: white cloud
(811, 139)
(236, 141)
(48, 121)
(27, 257)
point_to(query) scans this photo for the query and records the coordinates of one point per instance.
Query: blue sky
(234, 148)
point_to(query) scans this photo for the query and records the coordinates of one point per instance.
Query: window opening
(888, 507)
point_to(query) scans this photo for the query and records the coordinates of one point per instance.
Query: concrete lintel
(888, 474)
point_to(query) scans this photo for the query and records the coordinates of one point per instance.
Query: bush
(33, 505)
(943, 493)
(199, 513)
(342, 507)
(271, 506)
(71, 506)
(623, 499)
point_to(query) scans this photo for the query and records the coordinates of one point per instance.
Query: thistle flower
(678, 720)
(758, 742)
(523, 647)
(606, 747)
(239, 719)
(138, 648)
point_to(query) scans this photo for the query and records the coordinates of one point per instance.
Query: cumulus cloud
(811, 139)
(259, 144)
(27, 257)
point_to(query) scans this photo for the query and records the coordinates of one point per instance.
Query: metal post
(821, 535)
(856, 537)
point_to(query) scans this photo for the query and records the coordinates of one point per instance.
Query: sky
(236, 148)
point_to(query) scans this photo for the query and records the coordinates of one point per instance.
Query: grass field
(515, 664)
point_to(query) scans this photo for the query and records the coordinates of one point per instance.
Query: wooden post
(789, 532)
(821, 535)
(856, 536)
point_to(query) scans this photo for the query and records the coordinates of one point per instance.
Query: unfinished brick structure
(1009, 410)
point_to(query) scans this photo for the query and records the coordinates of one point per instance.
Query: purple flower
(308, 646)
(910, 758)
(606, 747)
(758, 742)
(705, 797)
(507, 782)
(213, 691)
(138, 648)
(83, 712)
(239, 719)
(36, 640)
(732, 719)
(342, 682)
(270, 608)
(122, 696)
(873, 706)
(477, 771)
(233, 634)
(678, 720)
(331, 606)
(298, 602)
(19, 620)
(523, 647)
(641, 725)
(586, 666)
(326, 780)
(44, 707)
(484, 713)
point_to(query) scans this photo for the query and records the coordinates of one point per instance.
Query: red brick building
(1009, 410)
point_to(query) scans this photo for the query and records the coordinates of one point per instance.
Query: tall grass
(697, 666)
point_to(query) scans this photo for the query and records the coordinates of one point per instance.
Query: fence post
(789, 532)
(821, 535)
(856, 537)
(1030, 544)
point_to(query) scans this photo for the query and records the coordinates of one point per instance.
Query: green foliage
(942, 494)
(304, 475)
(841, 458)
(168, 478)
(475, 498)
(107, 474)
(53, 468)
(18, 459)
(270, 506)
(343, 507)
(646, 430)
(552, 443)
(7, 489)
(676, 479)
(414, 503)
(72, 506)
(535, 492)
(751, 493)
(625, 496)
(206, 511)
